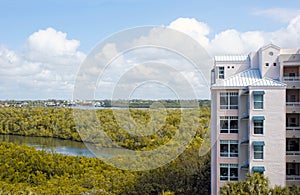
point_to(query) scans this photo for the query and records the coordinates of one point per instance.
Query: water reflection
(66, 147)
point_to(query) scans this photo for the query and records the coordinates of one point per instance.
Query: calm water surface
(66, 147)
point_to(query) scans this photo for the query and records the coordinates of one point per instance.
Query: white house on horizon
(255, 116)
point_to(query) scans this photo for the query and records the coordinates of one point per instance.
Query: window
(258, 97)
(229, 172)
(229, 148)
(213, 76)
(274, 64)
(258, 149)
(292, 74)
(258, 127)
(291, 122)
(229, 100)
(221, 72)
(258, 152)
(258, 101)
(292, 144)
(267, 64)
(291, 98)
(228, 124)
(293, 169)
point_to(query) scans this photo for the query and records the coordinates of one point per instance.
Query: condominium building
(255, 116)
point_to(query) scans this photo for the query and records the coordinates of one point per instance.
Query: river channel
(60, 146)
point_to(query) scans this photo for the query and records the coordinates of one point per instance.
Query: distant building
(255, 117)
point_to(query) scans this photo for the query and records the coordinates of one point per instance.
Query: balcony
(294, 104)
(292, 156)
(229, 154)
(245, 165)
(292, 107)
(292, 81)
(292, 131)
(293, 177)
(293, 128)
(292, 173)
(293, 149)
(292, 180)
(292, 153)
(245, 141)
(291, 78)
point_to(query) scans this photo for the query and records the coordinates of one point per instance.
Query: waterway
(60, 146)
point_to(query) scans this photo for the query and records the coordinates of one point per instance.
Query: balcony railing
(294, 104)
(229, 154)
(294, 153)
(291, 78)
(293, 177)
(294, 128)
(245, 165)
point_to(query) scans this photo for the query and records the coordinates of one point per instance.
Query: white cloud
(288, 37)
(227, 42)
(131, 70)
(192, 27)
(152, 59)
(279, 14)
(51, 43)
(48, 64)
(12, 64)
(232, 41)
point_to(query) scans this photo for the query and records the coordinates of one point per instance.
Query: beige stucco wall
(274, 135)
(274, 111)
(213, 129)
(270, 71)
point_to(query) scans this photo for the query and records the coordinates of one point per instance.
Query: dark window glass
(229, 148)
(229, 172)
(228, 100)
(229, 124)
(259, 127)
(258, 152)
(258, 101)
(221, 73)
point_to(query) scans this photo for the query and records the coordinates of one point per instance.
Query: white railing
(293, 177)
(294, 104)
(229, 107)
(291, 78)
(293, 153)
(229, 154)
(297, 128)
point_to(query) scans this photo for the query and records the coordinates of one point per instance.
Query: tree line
(24, 169)
(257, 184)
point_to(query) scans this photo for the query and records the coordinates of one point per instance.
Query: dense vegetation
(148, 103)
(23, 169)
(257, 184)
(135, 103)
(46, 122)
(118, 125)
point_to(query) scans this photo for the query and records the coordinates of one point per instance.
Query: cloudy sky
(44, 43)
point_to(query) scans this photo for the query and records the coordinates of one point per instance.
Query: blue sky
(92, 21)
(75, 27)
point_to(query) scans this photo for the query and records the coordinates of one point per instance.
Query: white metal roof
(249, 77)
(268, 82)
(231, 58)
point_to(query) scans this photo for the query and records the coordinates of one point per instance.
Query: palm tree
(255, 184)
